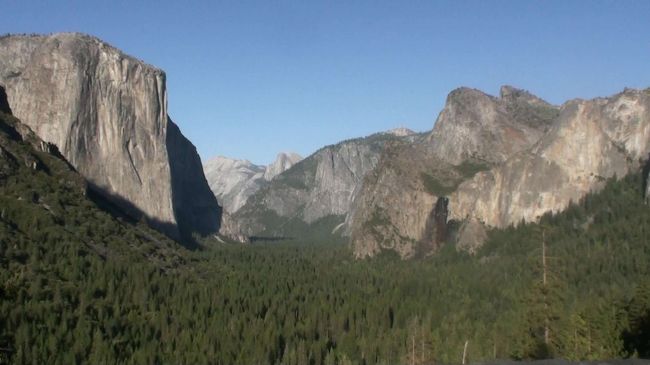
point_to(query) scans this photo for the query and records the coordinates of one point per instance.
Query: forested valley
(81, 285)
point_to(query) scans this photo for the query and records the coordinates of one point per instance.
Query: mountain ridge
(477, 135)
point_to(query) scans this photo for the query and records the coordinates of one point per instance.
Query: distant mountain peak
(283, 162)
(233, 180)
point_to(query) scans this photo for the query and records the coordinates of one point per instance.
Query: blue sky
(248, 79)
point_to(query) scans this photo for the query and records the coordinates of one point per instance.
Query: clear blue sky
(247, 79)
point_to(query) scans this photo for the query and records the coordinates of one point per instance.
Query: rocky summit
(495, 161)
(480, 127)
(233, 181)
(107, 113)
(282, 163)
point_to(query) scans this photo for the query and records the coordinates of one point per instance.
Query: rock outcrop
(401, 132)
(233, 181)
(231, 229)
(107, 113)
(396, 208)
(590, 141)
(477, 126)
(321, 186)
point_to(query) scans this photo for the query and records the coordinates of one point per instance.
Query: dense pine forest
(81, 285)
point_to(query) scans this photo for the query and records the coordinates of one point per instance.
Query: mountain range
(494, 162)
(489, 161)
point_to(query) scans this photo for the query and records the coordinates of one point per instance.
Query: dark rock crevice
(435, 231)
(646, 177)
(4, 102)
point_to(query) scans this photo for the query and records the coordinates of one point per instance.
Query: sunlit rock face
(396, 209)
(475, 125)
(107, 113)
(233, 181)
(231, 229)
(590, 141)
(498, 161)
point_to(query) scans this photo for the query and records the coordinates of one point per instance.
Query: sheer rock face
(323, 184)
(590, 141)
(107, 113)
(536, 158)
(393, 205)
(474, 132)
(339, 173)
(233, 181)
(231, 229)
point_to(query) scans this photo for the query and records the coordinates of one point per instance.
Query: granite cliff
(496, 162)
(403, 200)
(315, 192)
(590, 141)
(107, 114)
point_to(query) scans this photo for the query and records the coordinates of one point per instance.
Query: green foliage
(436, 187)
(533, 113)
(469, 168)
(293, 228)
(637, 335)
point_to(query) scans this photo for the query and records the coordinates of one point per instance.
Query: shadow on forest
(120, 208)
